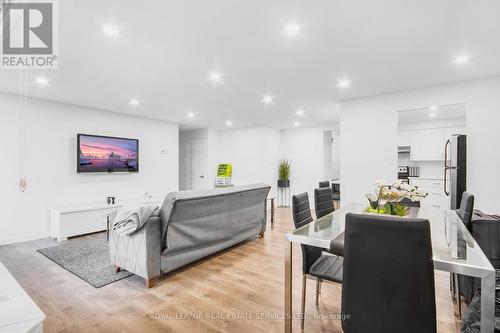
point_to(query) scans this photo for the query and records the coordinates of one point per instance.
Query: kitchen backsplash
(431, 169)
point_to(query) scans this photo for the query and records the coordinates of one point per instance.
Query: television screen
(107, 154)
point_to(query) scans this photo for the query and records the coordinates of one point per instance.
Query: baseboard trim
(23, 238)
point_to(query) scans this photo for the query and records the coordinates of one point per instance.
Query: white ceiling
(433, 113)
(166, 49)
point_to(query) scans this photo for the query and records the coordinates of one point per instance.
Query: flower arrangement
(386, 199)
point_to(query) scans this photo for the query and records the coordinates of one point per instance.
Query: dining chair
(315, 264)
(323, 204)
(466, 209)
(324, 184)
(465, 212)
(388, 281)
(485, 230)
(323, 201)
(336, 193)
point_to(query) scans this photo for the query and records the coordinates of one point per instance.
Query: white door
(195, 164)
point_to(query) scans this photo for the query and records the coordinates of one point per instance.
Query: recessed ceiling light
(134, 102)
(229, 122)
(267, 99)
(42, 81)
(190, 114)
(299, 112)
(111, 30)
(461, 59)
(344, 83)
(432, 114)
(296, 124)
(215, 76)
(292, 29)
(433, 108)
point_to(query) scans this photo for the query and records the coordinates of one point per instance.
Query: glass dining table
(454, 250)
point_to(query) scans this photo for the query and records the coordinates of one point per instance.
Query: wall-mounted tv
(98, 153)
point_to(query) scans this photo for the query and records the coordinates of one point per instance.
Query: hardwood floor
(239, 290)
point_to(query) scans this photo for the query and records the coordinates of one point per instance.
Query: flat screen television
(98, 153)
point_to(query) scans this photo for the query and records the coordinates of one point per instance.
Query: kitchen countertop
(425, 178)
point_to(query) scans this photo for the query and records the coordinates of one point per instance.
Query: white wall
(304, 148)
(51, 130)
(369, 134)
(336, 153)
(254, 153)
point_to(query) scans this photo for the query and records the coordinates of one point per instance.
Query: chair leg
(452, 285)
(303, 304)
(318, 290)
(459, 303)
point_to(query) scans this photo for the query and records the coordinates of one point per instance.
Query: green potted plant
(284, 173)
(387, 199)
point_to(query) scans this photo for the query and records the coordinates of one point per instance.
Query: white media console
(84, 219)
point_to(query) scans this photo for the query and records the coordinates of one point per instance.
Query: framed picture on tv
(97, 153)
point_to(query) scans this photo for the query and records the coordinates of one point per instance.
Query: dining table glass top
(454, 249)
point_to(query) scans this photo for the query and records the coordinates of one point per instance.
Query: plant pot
(283, 182)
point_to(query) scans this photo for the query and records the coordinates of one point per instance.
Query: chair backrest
(301, 212)
(336, 188)
(323, 202)
(324, 184)
(466, 208)
(388, 281)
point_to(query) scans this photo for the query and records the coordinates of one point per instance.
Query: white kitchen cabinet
(415, 145)
(432, 147)
(427, 144)
(449, 131)
(436, 198)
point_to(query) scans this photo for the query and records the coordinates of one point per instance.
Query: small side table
(284, 195)
(107, 226)
(272, 211)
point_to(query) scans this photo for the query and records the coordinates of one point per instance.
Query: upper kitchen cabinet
(428, 145)
(423, 132)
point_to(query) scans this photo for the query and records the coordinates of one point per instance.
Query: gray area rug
(86, 258)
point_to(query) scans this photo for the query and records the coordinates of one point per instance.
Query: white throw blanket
(131, 218)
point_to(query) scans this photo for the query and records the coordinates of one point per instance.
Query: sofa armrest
(138, 253)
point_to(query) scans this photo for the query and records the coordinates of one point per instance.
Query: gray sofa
(191, 225)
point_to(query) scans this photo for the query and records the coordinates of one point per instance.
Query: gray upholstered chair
(465, 212)
(388, 281)
(324, 184)
(466, 209)
(315, 264)
(336, 193)
(485, 229)
(323, 202)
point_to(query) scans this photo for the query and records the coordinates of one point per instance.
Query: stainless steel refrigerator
(455, 168)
